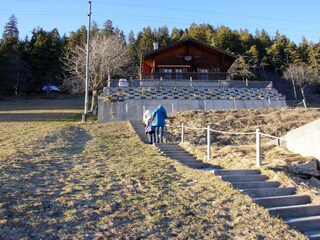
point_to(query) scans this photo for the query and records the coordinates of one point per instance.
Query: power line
(181, 20)
(207, 12)
(174, 9)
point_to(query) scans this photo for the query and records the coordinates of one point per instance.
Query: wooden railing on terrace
(184, 76)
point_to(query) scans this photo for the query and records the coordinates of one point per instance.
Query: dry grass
(68, 180)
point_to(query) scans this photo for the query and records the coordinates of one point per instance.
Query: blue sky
(293, 18)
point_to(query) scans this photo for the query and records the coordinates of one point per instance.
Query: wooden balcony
(184, 76)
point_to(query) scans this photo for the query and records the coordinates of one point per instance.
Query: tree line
(26, 65)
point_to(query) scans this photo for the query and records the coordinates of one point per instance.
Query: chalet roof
(187, 40)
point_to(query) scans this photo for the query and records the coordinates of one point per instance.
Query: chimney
(155, 45)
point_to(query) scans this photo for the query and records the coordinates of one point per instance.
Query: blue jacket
(159, 114)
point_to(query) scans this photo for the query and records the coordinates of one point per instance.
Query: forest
(26, 65)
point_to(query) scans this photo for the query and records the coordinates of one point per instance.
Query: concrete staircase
(296, 210)
(170, 150)
(174, 151)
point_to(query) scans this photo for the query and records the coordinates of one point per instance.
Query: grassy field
(63, 179)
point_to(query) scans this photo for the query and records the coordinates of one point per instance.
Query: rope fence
(208, 130)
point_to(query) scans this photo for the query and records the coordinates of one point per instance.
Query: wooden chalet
(186, 59)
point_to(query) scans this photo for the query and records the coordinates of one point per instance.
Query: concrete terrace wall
(304, 140)
(129, 103)
(134, 109)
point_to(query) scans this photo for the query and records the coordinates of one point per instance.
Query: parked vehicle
(123, 83)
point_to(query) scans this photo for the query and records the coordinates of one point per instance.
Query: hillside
(68, 180)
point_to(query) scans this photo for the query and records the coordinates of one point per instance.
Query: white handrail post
(258, 148)
(208, 143)
(182, 133)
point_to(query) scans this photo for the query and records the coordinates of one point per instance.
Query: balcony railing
(185, 76)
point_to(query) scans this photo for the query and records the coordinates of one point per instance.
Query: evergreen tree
(314, 60)
(94, 29)
(254, 56)
(303, 50)
(163, 37)
(202, 32)
(44, 51)
(10, 55)
(227, 39)
(78, 38)
(11, 29)
(176, 34)
(133, 54)
(247, 40)
(108, 28)
(277, 54)
(262, 41)
(291, 52)
(240, 69)
(145, 40)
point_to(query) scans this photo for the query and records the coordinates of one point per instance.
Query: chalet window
(178, 73)
(167, 73)
(204, 73)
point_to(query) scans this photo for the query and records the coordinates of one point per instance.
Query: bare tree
(19, 75)
(108, 56)
(301, 75)
(289, 74)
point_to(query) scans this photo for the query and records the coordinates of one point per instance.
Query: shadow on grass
(37, 189)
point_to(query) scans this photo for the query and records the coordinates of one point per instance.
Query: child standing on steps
(149, 129)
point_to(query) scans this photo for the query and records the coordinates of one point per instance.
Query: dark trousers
(151, 137)
(159, 134)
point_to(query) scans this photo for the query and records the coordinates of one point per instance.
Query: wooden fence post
(208, 143)
(258, 148)
(182, 133)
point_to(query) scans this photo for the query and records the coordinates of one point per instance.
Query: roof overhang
(189, 40)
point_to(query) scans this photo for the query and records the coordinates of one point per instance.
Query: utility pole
(86, 97)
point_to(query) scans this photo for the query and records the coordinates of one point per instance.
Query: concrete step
(167, 145)
(178, 155)
(295, 211)
(182, 154)
(196, 165)
(313, 235)
(173, 148)
(268, 192)
(243, 178)
(183, 160)
(304, 224)
(252, 185)
(224, 172)
(279, 201)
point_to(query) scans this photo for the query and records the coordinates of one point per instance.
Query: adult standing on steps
(159, 115)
